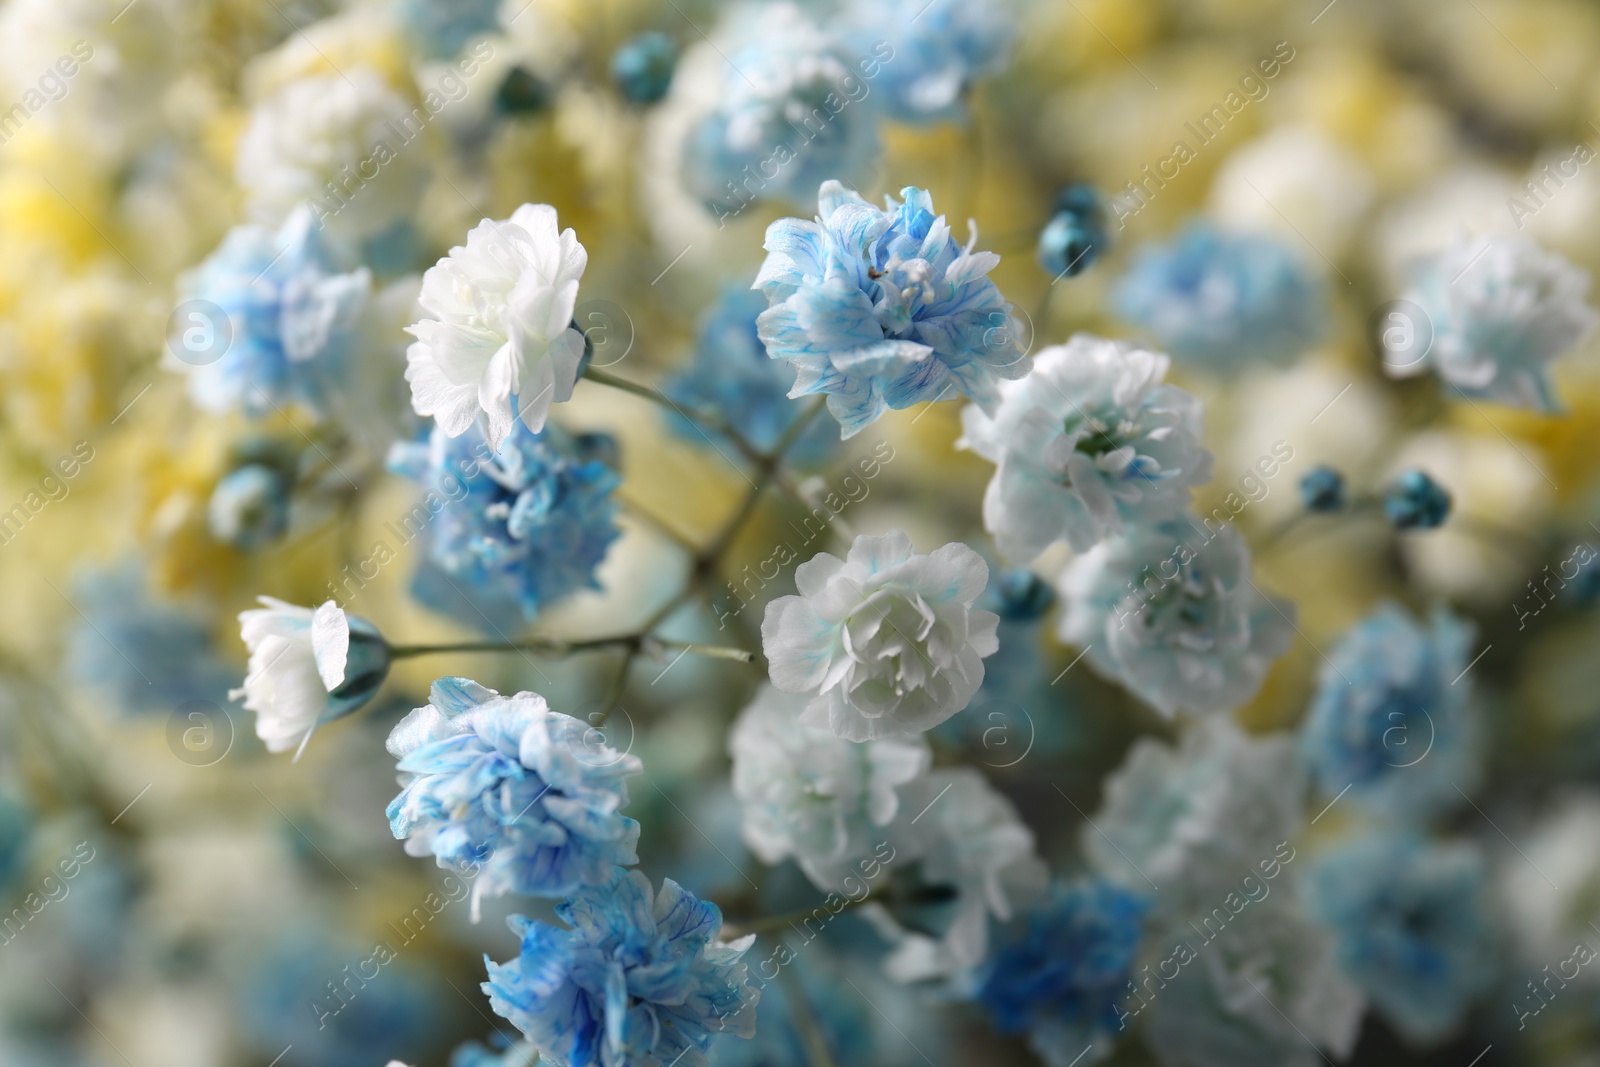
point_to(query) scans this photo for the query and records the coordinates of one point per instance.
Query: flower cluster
(637, 978)
(886, 640)
(512, 530)
(505, 789)
(880, 309)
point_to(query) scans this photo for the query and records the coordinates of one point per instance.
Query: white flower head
(808, 795)
(887, 641)
(306, 667)
(1190, 820)
(337, 142)
(1266, 993)
(1169, 610)
(1500, 310)
(500, 326)
(1092, 440)
(968, 837)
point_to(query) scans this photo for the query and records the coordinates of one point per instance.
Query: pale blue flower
(141, 651)
(936, 51)
(1413, 923)
(439, 29)
(880, 309)
(1392, 720)
(1093, 441)
(1223, 301)
(636, 978)
(512, 531)
(291, 321)
(1061, 977)
(1076, 234)
(522, 799)
(732, 376)
(1171, 612)
(793, 111)
(1498, 311)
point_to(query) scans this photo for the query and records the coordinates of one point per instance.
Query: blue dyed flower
(505, 790)
(639, 978)
(291, 320)
(1413, 923)
(439, 29)
(1498, 311)
(1415, 501)
(1392, 719)
(1222, 301)
(512, 531)
(881, 309)
(732, 376)
(932, 52)
(642, 68)
(1061, 979)
(792, 111)
(141, 651)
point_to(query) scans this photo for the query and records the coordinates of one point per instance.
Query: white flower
(1188, 822)
(1170, 611)
(809, 795)
(970, 839)
(1088, 443)
(1500, 309)
(501, 326)
(338, 142)
(306, 667)
(1266, 993)
(887, 641)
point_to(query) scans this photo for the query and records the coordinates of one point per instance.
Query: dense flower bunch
(1155, 632)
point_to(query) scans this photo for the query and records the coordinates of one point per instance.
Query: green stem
(555, 646)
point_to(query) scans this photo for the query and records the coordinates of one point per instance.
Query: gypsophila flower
(307, 668)
(509, 532)
(886, 640)
(502, 788)
(291, 321)
(141, 651)
(732, 375)
(808, 795)
(337, 143)
(968, 837)
(249, 508)
(1090, 443)
(1191, 819)
(881, 309)
(637, 979)
(1222, 301)
(1170, 612)
(1413, 924)
(1499, 310)
(1392, 720)
(791, 112)
(936, 51)
(1059, 979)
(1268, 993)
(498, 340)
